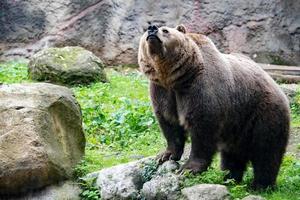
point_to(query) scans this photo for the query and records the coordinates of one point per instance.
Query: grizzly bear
(226, 102)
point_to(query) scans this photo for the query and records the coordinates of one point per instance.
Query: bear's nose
(152, 30)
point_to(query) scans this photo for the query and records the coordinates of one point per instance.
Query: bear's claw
(167, 155)
(193, 166)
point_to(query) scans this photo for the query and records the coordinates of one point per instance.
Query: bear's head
(165, 54)
(162, 42)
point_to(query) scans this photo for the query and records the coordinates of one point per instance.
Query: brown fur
(225, 101)
(199, 39)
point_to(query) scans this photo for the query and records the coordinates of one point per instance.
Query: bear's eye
(165, 31)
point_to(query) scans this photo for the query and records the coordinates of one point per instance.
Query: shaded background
(266, 30)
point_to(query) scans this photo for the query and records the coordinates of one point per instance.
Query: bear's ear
(181, 28)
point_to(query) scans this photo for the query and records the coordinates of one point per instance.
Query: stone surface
(168, 166)
(268, 31)
(162, 187)
(62, 191)
(253, 197)
(164, 183)
(41, 136)
(68, 66)
(137, 180)
(122, 181)
(206, 192)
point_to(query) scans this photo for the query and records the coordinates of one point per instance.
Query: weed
(13, 72)
(89, 190)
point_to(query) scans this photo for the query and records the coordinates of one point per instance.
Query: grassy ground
(120, 127)
(118, 121)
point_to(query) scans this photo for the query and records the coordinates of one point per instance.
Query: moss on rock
(66, 66)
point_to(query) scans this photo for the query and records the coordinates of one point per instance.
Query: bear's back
(242, 70)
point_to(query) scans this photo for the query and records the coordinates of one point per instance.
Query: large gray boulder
(268, 31)
(68, 66)
(41, 136)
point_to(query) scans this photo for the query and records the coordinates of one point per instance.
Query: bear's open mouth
(153, 37)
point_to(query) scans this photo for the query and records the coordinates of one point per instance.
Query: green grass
(295, 108)
(117, 117)
(118, 120)
(120, 126)
(13, 72)
(288, 181)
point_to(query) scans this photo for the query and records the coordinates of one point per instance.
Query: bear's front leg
(202, 150)
(165, 109)
(175, 136)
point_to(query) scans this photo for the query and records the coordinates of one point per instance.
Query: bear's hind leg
(268, 147)
(236, 164)
(265, 168)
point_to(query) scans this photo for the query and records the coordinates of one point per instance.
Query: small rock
(122, 181)
(253, 197)
(66, 66)
(162, 188)
(206, 192)
(168, 166)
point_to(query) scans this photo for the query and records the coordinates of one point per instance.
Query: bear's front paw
(194, 166)
(168, 155)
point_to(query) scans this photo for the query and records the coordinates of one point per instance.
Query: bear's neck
(178, 71)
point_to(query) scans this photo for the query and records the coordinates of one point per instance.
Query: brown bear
(226, 102)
